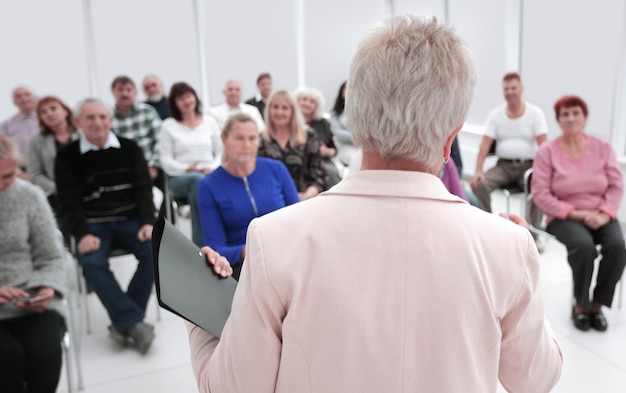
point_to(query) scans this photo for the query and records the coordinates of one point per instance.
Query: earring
(445, 160)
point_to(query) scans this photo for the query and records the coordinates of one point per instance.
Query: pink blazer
(385, 283)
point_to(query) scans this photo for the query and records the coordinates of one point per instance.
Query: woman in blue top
(244, 187)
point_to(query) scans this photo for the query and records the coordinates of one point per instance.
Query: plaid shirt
(142, 125)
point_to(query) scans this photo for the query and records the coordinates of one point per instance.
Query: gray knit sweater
(31, 250)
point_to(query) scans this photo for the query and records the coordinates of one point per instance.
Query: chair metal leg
(65, 344)
(507, 196)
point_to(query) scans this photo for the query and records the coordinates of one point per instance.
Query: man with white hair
(387, 282)
(233, 104)
(155, 96)
(105, 195)
(22, 126)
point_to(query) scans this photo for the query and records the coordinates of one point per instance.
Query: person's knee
(11, 353)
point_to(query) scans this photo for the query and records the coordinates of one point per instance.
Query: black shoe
(598, 321)
(118, 337)
(142, 335)
(582, 320)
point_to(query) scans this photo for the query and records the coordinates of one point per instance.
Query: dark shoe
(598, 321)
(582, 321)
(142, 335)
(118, 337)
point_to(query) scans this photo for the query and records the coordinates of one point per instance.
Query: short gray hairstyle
(8, 149)
(315, 95)
(410, 85)
(238, 117)
(90, 100)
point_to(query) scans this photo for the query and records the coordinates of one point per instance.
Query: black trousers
(581, 252)
(30, 353)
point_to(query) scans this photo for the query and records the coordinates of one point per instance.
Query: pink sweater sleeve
(615, 190)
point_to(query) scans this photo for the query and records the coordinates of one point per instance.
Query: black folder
(185, 284)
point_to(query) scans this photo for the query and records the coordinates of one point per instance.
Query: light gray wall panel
(138, 37)
(245, 38)
(333, 29)
(46, 53)
(572, 47)
(481, 23)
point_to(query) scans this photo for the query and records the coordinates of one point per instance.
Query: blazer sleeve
(530, 358)
(232, 364)
(37, 167)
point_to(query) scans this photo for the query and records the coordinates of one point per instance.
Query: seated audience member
(23, 125)
(392, 309)
(140, 123)
(190, 148)
(244, 187)
(518, 127)
(32, 263)
(105, 196)
(578, 184)
(348, 153)
(57, 130)
(264, 84)
(311, 103)
(287, 139)
(233, 104)
(155, 95)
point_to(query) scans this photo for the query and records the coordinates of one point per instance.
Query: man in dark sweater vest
(105, 194)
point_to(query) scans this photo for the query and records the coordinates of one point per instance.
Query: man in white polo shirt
(233, 104)
(518, 127)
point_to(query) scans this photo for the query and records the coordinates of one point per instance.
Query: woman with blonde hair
(286, 138)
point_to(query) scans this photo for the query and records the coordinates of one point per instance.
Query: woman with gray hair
(244, 187)
(426, 294)
(311, 103)
(32, 283)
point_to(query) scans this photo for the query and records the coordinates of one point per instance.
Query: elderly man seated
(106, 201)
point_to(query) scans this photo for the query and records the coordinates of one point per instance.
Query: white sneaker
(541, 245)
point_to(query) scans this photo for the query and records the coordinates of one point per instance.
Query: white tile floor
(593, 362)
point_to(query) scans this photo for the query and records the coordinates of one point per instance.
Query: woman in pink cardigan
(578, 184)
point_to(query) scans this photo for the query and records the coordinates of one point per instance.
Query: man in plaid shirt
(139, 122)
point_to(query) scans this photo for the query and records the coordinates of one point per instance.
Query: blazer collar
(390, 183)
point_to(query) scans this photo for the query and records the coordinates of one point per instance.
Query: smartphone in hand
(35, 299)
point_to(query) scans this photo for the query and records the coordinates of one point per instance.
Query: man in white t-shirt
(233, 104)
(518, 128)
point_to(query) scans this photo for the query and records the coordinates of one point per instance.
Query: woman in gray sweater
(32, 283)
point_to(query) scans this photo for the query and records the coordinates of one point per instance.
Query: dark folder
(185, 284)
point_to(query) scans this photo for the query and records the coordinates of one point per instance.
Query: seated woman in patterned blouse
(287, 139)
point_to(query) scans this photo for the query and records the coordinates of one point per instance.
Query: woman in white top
(190, 148)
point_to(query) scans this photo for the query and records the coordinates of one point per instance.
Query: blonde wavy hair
(297, 125)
